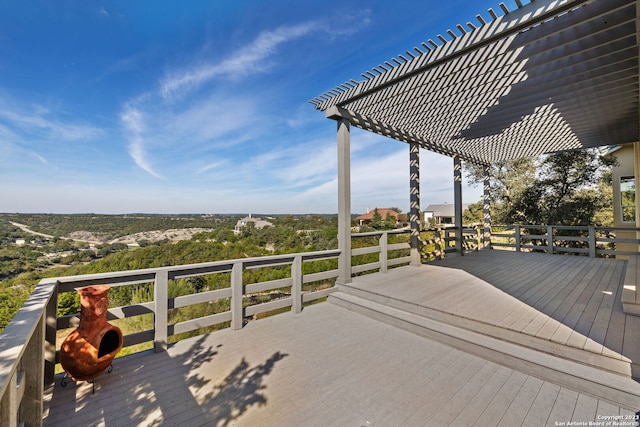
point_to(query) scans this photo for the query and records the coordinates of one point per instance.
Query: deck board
(540, 410)
(521, 404)
(568, 299)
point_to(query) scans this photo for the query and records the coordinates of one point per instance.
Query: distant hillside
(105, 243)
(108, 227)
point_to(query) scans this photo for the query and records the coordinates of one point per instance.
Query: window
(628, 198)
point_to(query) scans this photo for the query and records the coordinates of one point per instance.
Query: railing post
(437, 237)
(518, 240)
(161, 300)
(296, 286)
(344, 201)
(10, 402)
(550, 239)
(32, 371)
(51, 327)
(384, 239)
(486, 207)
(457, 209)
(237, 315)
(414, 204)
(592, 241)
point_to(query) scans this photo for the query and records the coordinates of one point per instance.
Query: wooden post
(383, 241)
(518, 241)
(51, 328)
(344, 202)
(32, 377)
(636, 175)
(592, 241)
(10, 402)
(414, 203)
(237, 313)
(486, 211)
(161, 299)
(457, 197)
(296, 286)
(550, 239)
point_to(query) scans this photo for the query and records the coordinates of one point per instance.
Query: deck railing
(30, 338)
(389, 254)
(441, 240)
(589, 241)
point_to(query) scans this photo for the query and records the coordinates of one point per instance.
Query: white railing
(30, 338)
(385, 251)
(590, 241)
(442, 240)
(22, 352)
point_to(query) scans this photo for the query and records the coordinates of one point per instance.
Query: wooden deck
(562, 303)
(328, 366)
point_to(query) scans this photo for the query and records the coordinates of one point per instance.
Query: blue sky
(199, 106)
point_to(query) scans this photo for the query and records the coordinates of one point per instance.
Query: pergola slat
(550, 75)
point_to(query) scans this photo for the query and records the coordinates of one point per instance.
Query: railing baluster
(384, 239)
(9, 402)
(518, 239)
(33, 371)
(592, 241)
(550, 239)
(51, 327)
(161, 299)
(237, 316)
(296, 286)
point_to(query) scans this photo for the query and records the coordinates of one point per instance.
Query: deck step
(607, 361)
(600, 383)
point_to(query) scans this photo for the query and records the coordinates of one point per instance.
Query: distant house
(442, 214)
(257, 223)
(366, 218)
(21, 242)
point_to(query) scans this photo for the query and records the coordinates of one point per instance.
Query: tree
(566, 191)
(563, 188)
(474, 214)
(376, 220)
(508, 180)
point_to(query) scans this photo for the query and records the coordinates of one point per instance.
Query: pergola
(550, 75)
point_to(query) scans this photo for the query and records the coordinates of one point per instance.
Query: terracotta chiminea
(91, 348)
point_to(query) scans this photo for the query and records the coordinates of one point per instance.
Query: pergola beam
(376, 126)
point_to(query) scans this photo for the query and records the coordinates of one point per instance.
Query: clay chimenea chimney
(91, 348)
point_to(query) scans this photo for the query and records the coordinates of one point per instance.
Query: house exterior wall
(625, 156)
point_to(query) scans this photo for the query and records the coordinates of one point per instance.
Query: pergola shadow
(176, 386)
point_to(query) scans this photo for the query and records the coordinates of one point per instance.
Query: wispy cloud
(40, 158)
(248, 60)
(38, 122)
(210, 166)
(192, 117)
(133, 120)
